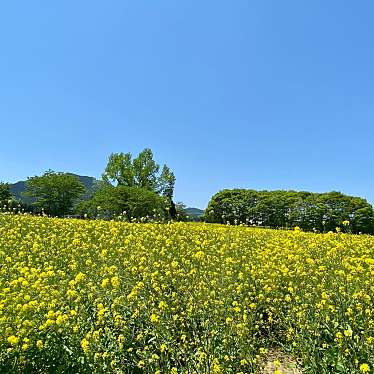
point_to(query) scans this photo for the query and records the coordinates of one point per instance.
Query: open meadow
(82, 296)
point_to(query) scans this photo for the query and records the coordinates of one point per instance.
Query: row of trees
(134, 188)
(131, 188)
(310, 211)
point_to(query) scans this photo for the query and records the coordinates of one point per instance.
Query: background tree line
(276, 209)
(131, 188)
(138, 188)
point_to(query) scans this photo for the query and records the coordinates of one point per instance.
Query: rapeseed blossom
(364, 368)
(13, 340)
(98, 296)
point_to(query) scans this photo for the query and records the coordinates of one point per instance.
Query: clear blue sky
(253, 94)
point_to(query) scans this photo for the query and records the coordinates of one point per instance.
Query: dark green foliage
(124, 202)
(136, 187)
(5, 194)
(91, 184)
(310, 211)
(54, 193)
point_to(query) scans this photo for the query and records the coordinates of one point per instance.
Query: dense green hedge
(310, 211)
(128, 202)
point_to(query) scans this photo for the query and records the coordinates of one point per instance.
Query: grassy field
(93, 296)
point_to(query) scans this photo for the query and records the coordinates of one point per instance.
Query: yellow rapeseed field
(99, 297)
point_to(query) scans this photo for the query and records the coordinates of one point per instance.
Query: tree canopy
(142, 171)
(310, 211)
(125, 202)
(55, 193)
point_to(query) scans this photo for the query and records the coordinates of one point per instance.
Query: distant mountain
(194, 212)
(17, 189)
(90, 183)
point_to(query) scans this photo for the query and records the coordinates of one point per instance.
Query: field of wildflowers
(97, 297)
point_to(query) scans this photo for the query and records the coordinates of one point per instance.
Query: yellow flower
(84, 344)
(79, 277)
(120, 339)
(243, 362)
(154, 318)
(216, 368)
(162, 305)
(364, 368)
(141, 364)
(13, 340)
(348, 333)
(105, 284)
(199, 255)
(115, 282)
(39, 344)
(61, 319)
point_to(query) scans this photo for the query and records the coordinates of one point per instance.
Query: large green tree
(142, 171)
(130, 202)
(55, 193)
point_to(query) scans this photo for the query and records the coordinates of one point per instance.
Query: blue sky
(252, 94)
